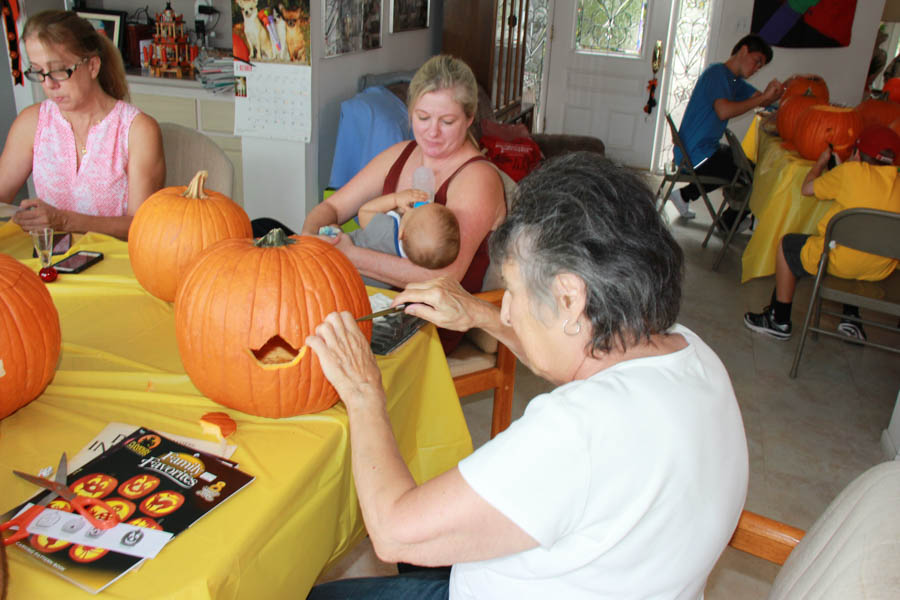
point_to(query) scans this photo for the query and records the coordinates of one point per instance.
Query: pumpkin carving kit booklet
(152, 483)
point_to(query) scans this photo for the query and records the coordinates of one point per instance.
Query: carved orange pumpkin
(789, 112)
(811, 85)
(242, 315)
(825, 124)
(29, 336)
(878, 112)
(173, 226)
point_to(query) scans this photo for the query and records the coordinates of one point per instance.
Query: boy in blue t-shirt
(720, 94)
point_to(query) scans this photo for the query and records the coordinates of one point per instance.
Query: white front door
(600, 62)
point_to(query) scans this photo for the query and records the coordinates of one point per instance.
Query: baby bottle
(423, 179)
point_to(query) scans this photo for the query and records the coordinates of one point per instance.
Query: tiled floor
(808, 437)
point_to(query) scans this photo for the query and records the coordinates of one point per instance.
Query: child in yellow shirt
(869, 179)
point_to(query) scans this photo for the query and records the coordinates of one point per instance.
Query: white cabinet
(187, 103)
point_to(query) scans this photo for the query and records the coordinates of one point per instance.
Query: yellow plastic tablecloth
(776, 200)
(120, 362)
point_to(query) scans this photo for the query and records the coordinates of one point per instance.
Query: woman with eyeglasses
(93, 156)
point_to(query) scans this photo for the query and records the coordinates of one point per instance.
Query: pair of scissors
(24, 519)
(107, 518)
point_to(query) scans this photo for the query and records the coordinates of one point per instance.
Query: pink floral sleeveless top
(99, 186)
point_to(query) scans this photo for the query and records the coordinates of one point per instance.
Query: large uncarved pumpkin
(822, 125)
(29, 336)
(811, 85)
(173, 226)
(789, 113)
(244, 310)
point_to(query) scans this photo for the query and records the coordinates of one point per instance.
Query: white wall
(300, 171)
(844, 69)
(335, 79)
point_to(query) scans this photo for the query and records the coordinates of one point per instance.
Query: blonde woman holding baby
(442, 102)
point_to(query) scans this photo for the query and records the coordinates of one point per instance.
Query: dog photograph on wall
(351, 26)
(407, 15)
(274, 31)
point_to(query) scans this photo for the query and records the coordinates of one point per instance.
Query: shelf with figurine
(171, 52)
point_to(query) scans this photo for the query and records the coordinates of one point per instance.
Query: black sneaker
(765, 322)
(852, 330)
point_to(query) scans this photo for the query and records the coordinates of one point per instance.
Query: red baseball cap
(875, 139)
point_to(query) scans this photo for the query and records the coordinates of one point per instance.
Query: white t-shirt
(631, 481)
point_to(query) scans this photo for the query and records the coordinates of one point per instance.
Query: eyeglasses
(55, 74)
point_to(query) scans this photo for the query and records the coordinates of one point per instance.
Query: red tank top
(474, 276)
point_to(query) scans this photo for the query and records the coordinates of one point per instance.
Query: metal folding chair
(736, 194)
(866, 230)
(685, 173)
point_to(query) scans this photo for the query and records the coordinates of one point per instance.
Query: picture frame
(409, 15)
(108, 22)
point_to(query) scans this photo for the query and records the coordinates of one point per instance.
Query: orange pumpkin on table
(878, 112)
(826, 124)
(811, 85)
(789, 112)
(173, 226)
(29, 336)
(242, 315)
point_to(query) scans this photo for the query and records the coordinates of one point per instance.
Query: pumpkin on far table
(29, 336)
(789, 112)
(825, 124)
(891, 87)
(812, 85)
(173, 226)
(878, 112)
(242, 315)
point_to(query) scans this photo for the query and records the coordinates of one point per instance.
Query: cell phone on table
(78, 262)
(61, 244)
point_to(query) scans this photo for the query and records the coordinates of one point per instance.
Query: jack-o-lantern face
(138, 486)
(60, 504)
(95, 485)
(824, 124)
(85, 554)
(243, 312)
(121, 506)
(47, 544)
(145, 522)
(160, 504)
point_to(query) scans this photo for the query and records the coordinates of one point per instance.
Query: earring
(571, 333)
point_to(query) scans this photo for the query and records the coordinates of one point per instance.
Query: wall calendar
(272, 101)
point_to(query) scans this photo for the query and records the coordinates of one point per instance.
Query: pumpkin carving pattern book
(29, 336)
(242, 315)
(166, 486)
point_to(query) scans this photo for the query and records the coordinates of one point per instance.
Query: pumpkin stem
(195, 187)
(275, 238)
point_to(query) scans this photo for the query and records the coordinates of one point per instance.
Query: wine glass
(43, 247)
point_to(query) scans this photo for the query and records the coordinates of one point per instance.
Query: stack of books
(215, 70)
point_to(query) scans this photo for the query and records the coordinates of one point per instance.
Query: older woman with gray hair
(626, 481)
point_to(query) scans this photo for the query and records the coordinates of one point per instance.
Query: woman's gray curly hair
(583, 214)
